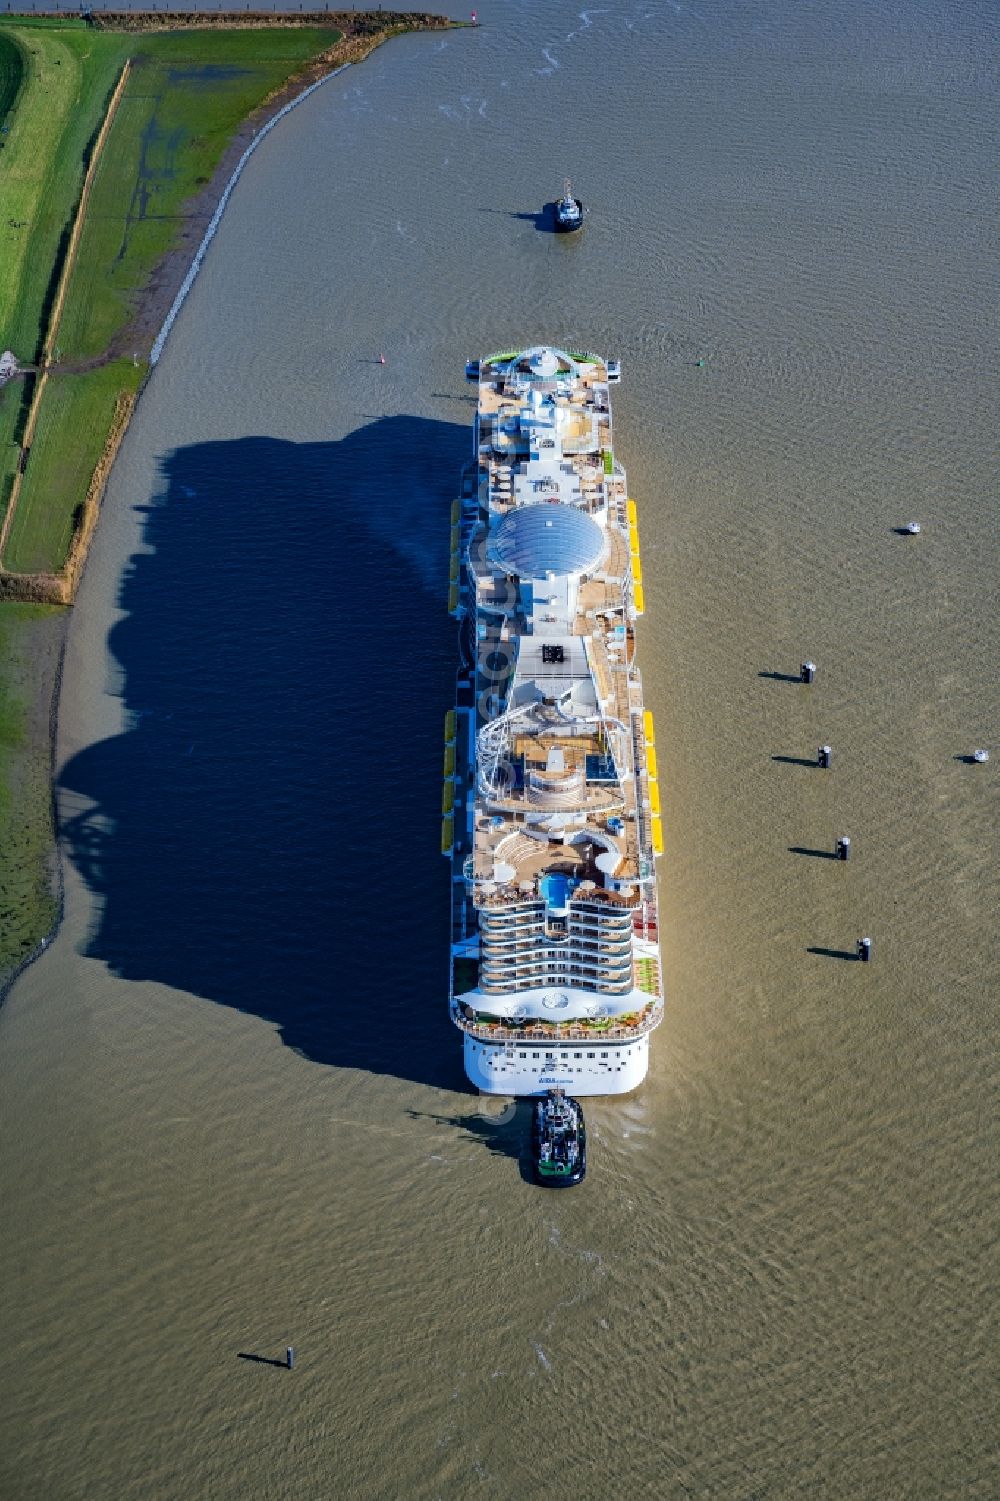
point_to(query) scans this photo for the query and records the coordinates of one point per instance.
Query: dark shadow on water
(265, 833)
(800, 849)
(834, 953)
(781, 677)
(505, 1134)
(544, 219)
(262, 1359)
(797, 761)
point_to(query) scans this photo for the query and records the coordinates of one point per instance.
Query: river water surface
(233, 1111)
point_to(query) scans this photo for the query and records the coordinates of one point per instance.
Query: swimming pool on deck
(556, 890)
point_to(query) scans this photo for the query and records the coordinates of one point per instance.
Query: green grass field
(11, 77)
(11, 74)
(29, 644)
(49, 120)
(81, 405)
(68, 74)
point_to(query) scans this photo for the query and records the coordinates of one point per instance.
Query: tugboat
(569, 211)
(558, 1141)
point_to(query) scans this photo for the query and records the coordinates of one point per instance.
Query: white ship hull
(523, 1070)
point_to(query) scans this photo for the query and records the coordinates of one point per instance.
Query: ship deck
(555, 774)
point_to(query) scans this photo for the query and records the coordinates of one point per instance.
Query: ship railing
(562, 1033)
(603, 899)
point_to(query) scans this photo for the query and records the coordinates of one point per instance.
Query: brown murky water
(233, 1114)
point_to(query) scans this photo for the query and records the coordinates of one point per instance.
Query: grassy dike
(106, 187)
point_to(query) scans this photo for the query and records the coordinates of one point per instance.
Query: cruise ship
(551, 806)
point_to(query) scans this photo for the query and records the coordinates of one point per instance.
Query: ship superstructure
(551, 795)
(569, 211)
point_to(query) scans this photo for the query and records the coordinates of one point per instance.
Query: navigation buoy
(844, 848)
(823, 756)
(807, 672)
(864, 949)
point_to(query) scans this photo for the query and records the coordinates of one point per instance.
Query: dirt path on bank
(60, 299)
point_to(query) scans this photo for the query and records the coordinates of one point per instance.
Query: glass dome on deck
(534, 541)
